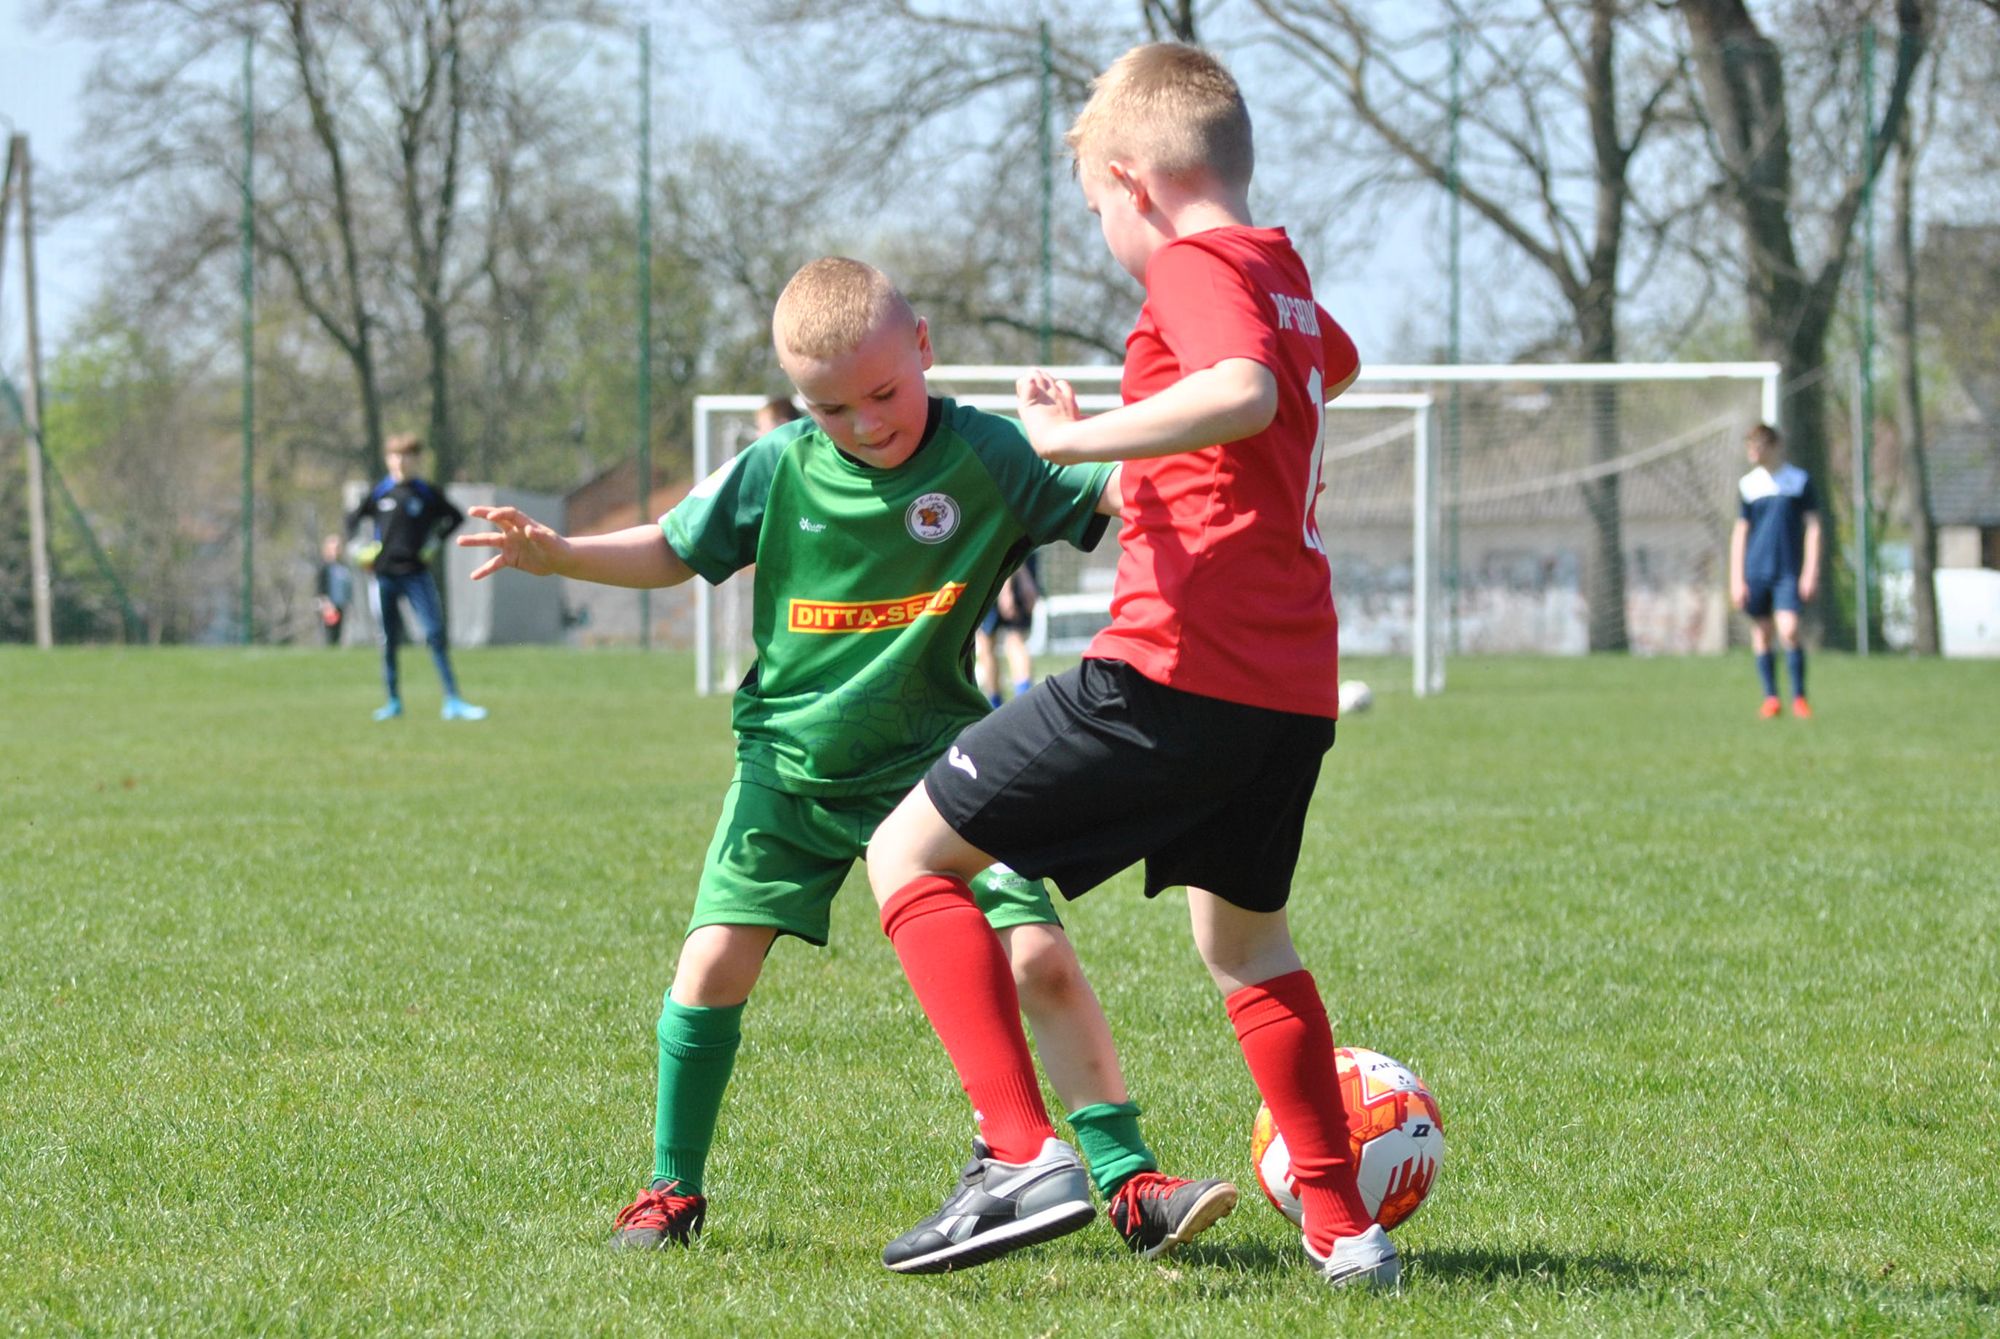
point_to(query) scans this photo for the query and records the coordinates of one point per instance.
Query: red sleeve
(1343, 360)
(1205, 309)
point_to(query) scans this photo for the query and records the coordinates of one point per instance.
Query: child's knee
(1046, 972)
(719, 965)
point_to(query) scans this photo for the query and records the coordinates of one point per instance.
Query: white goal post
(1484, 509)
(1077, 589)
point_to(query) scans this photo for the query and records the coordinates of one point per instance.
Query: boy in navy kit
(880, 528)
(410, 515)
(1191, 735)
(1774, 561)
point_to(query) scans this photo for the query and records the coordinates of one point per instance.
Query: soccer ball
(1394, 1136)
(1355, 697)
(363, 553)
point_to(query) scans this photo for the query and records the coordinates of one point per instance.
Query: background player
(1191, 736)
(411, 517)
(1004, 632)
(1774, 560)
(859, 683)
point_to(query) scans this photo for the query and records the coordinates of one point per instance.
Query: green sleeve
(714, 528)
(1051, 502)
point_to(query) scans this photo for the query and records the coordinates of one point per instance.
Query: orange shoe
(1800, 709)
(1771, 708)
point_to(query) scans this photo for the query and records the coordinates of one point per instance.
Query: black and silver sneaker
(998, 1207)
(1156, 1213)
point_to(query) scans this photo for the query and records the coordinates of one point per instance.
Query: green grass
(313, 1026)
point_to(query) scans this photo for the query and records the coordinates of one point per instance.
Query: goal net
(1519, 509)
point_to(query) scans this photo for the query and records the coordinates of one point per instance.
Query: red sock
(962, 981)
(1281, 1025)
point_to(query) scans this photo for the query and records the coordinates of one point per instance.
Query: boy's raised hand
(1046, 404)
(523, 542)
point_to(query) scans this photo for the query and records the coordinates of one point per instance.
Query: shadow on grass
(1457, 1265)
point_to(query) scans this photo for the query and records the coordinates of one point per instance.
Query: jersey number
(1316, 391)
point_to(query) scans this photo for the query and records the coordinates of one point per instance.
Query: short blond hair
(832, 304)
(1170, 107)
(403, 444)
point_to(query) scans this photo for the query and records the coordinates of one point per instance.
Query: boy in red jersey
(1191, 735)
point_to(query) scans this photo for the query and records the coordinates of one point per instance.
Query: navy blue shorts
(1764, 596)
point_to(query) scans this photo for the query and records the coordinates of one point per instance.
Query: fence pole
(249, 276)
(645, 425)
(38, 504)
(1047, 337)
(1455, 350)
(1865, 443)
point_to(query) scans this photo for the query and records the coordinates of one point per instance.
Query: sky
(41, 88)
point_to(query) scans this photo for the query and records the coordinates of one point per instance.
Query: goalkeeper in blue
(1774, 561)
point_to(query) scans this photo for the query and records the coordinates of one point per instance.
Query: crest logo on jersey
(932, 518)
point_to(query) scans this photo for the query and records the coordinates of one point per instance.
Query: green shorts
(777, 859)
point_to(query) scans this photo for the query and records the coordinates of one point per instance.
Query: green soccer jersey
(869, 586)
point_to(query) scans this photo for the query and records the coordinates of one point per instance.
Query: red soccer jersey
(1223, 587)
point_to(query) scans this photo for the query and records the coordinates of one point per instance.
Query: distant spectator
(333, 589)
(775, 413)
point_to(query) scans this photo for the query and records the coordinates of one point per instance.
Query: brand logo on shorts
(932, 518)
(811, 527)
(961, 762)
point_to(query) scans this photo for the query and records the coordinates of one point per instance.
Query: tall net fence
(1579, 509)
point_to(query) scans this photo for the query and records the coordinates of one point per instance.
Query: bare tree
(1904, 345)
(1538, 76)
(1742, 81)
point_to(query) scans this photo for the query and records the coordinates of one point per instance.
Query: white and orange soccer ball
(1394, 1135)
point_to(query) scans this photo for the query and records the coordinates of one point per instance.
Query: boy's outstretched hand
(523, 542)
(1046, 404)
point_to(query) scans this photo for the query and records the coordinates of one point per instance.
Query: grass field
(312, 1026)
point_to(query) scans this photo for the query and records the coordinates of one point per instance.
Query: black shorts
(1100, 768)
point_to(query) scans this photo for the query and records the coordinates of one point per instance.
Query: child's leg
(423, 593)
(392, 632)
(985, 668)
(1282, 1026)
(1760, 645)
(1787, 624)
(1074, 1042)
(921, 872)
(699, 1030)
(1020, 665)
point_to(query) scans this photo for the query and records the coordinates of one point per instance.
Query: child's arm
(639, 557)
(1234, 399)
(1809, 569)
(1739, 591)
(1112, 500)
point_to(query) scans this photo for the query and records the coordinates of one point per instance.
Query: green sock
(697, 1053)
(1112, 1144)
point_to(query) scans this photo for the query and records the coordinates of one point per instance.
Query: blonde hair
(1171, 107)
(403, 443)
(832, 304)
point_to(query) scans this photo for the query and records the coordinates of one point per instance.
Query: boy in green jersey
(881, 527)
